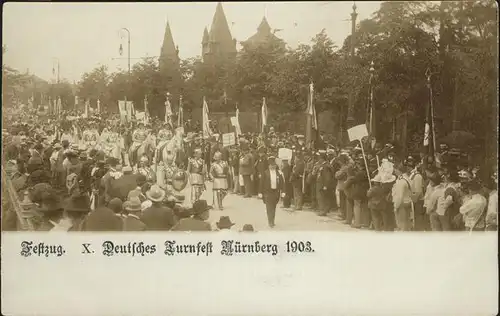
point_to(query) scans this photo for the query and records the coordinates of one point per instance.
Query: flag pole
(366, 164)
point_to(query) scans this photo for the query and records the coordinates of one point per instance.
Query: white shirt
(273, 179)
(472, 209)
(491, 215)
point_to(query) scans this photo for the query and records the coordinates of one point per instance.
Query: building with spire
(264, 35)
(218, 42)
(169, 55)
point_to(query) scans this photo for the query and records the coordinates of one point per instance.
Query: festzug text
(132, 248)
(172, 248)
(230, 247)
(29, 248)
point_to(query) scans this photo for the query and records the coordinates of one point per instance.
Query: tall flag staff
(311, 124)
(87, 108)
(429, 134)
(59, 107)
(50, 105)
(180, 115)
(311, 118)
(146, 114)
(237, 127)
(264, 114)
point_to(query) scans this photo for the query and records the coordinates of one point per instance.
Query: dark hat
(39, 176)
(71, 154)
(102, 219)
(201, 206)
(247, 228)
(224, 222)
(38, 147)
(50, 201)
(78, 203)
(38, 190)
(112, 161)
(115, 205)
(474, 185)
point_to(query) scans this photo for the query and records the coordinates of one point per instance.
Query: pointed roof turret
(264, 34)
(264, 26)
(168, 48)
(205, 36)
(169, 55)
(220, 33)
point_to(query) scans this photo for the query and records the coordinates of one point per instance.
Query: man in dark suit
(158, 216)
(272, 185)
(126, 183)
(197, 221)
(246, 169)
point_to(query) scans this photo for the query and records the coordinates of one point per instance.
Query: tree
(94, 85)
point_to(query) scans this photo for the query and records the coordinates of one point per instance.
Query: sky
(81, 36)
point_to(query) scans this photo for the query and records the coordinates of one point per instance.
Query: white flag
(207, 132)
(427, 134)
(264, 114)
(168, 111)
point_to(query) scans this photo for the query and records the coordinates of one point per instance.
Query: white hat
(385, 172)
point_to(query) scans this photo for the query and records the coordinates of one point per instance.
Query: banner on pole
(285, 154)
(228, 139)
(130, 110)
(140, 116)
(357, 132)
(235, 122)
(123, 111)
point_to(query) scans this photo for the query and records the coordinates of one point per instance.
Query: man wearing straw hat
(132, 209)
(158, 216)
(380, 208)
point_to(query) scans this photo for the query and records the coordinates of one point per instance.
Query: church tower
(263, 36)
(220, 42)
(204, 42)
(169, 55)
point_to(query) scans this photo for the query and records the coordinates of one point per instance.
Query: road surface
(253, 211)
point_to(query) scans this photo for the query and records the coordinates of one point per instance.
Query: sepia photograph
(261, 116)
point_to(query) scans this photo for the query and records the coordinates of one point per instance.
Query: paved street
(252, 211)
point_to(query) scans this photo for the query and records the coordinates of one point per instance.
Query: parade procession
(351, 141)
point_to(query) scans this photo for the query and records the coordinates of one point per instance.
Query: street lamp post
(55, 64)
(350, 109)
(128, 57)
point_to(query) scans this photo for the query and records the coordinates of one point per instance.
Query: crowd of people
(99, 174)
